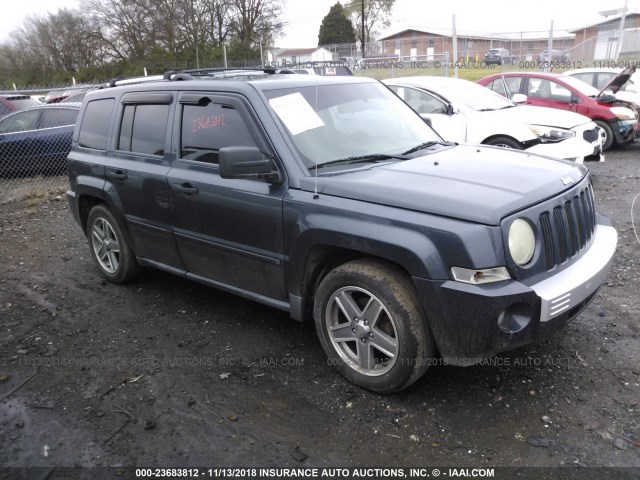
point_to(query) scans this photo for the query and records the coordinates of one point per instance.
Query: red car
(13, 103)
(617, 119)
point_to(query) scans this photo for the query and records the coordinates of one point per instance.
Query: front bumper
(573, 149)
(464, 318)
(624, 130)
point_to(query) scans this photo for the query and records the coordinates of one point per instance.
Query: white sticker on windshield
(296, 113)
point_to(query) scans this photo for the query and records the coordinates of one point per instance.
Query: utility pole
(363, 31)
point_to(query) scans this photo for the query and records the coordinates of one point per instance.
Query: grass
(470, 72)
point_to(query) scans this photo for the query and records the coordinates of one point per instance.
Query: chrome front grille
(568, 228)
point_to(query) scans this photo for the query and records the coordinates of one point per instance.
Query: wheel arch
(409, 252)
(491, 138)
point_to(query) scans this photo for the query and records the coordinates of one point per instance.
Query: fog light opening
(514, 318)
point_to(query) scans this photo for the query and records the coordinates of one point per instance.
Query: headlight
(522, 241)
(551, 134)
(623, 113)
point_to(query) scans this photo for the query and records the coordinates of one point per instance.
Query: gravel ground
(169, 373)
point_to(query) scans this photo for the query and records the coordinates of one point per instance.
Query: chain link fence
(35, 139)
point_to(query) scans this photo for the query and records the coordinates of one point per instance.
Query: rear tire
(371, 326)
(109, 246)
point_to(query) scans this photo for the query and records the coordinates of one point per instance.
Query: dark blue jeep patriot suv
(329, 198)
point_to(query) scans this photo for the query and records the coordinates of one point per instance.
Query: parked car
(463, 111)
(601, 78)
(617, 119)
(547, 56)
(13, 103)
(331, 199)
(75, 96)
(499, 56)
(37, 140)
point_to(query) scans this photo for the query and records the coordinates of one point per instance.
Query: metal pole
(621, 30)
(224, 51)
(547, 67)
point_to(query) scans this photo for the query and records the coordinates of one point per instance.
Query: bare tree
(377, 15)
(127, 26)
(256, 21)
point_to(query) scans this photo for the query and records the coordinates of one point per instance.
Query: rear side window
(207, 128)
(144, 129)
(95, 124)
(20, 122)
(58, 117)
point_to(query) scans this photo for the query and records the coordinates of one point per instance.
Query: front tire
(607, 136)
(504, 142)
(371, 326)
(110, 247)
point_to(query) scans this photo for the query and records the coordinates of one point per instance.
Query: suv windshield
(329, 123)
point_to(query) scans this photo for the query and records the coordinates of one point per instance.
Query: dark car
(499, 56)
(617, 119)
(329, 198)
(37, 140)
(13, 103)
(548, 56)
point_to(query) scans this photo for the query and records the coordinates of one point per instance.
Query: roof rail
(198, 72)
(191, 74)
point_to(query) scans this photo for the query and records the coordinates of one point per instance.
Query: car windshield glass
(363, 121)
(581, 86)
(474, 96)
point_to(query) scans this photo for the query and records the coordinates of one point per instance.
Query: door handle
(117, 174)
(186, 188)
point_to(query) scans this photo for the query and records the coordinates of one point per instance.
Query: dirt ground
(169, 373)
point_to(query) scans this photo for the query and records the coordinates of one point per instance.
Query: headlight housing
(522, 241)
(551, 134)
(624, 113)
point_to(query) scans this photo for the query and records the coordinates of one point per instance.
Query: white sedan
(465, 112)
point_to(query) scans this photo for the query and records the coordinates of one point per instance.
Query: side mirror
(247, 163)
(427, 120)
(574, 98)
(518, 98)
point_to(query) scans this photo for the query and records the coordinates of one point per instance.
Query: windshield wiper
(372, 157)
(424, 145)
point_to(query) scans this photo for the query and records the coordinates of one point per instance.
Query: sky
(303, 17)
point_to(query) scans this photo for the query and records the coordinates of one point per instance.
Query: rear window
(95, 124)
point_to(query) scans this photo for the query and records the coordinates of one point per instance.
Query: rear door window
(144, 129)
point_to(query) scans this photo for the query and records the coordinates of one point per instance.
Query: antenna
(315, 186)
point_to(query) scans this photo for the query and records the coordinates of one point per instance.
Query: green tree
(336, 27)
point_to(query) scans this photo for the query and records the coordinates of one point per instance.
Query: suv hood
(530, 115)
(479, 184)
(619, 80)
